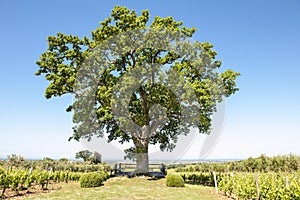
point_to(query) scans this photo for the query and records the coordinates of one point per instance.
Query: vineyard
(250, 185)
(259, 178)
(16, 180)
(19, 180)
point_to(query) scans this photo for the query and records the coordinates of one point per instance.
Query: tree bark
(142, 157)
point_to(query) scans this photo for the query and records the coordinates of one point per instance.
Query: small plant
(174, 180)
(92, 179)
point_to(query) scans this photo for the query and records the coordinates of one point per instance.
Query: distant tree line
(90, 164)
(263, 163)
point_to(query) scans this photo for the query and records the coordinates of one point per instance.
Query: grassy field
(125, 188)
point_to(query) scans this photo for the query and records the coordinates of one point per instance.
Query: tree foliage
(61, 62)
(88, 156)
(84, 154)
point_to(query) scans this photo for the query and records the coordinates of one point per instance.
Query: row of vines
(19, 179)
(251, 185)
(260, 186)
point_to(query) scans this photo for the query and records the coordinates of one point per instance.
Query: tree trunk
(142, 158)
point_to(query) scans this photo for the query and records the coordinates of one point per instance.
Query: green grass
(125, 188)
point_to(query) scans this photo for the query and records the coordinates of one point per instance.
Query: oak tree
(195, 63)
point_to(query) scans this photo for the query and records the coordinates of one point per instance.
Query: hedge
(174, 180)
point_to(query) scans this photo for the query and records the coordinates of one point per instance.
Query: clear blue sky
(260, 39)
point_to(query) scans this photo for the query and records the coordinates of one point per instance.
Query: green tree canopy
(195, 64)
(84, 154)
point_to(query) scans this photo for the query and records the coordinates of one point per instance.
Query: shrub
(92, 179)
(104, 175)
(174, 180)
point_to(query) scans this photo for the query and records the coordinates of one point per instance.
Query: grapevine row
(17, 180)
(251, 185)
(260, 186)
